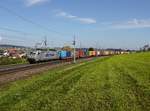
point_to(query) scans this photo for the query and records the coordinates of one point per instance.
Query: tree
(146, 48)
(91, 49)
(67, 48)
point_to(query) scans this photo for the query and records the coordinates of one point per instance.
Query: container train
(46, 55)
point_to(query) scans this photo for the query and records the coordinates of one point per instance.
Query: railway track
(23, 67)
(16, 72)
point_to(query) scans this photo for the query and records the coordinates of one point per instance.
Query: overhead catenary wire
(30, 21)
(15, 38)
(23, 38)
(23, 33)
(5, 35)
(10, 11)
(17, 31)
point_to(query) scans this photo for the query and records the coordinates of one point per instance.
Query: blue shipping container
(62, 54)
(68, 54)
(85, 52)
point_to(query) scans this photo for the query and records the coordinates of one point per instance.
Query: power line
(17, 31)
(30, 21)
(21, 42)
(22, 39)
(20, 32)
(14, 37)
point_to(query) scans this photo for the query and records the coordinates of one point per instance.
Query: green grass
(9, 61)
(118, 83)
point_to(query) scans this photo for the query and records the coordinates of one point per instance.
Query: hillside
(11, 46)
(118, 83)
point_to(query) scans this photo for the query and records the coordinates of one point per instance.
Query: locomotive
(42, 55)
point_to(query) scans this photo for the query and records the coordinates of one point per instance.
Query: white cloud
(134, 23)
(64, 14)
(73, 17)
(34, 2)
(87, 20)
(0, 38)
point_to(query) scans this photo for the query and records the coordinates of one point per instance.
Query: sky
(94, 23)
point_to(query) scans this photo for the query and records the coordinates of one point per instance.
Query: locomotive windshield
(32, 53)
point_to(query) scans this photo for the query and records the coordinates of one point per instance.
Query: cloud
(64, 14)
(0, 38)
(35, 2)
(134, 23)
(73, 17)
(87, 20)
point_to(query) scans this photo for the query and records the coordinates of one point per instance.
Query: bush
(7, 61)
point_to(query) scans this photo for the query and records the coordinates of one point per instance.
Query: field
(118, 83)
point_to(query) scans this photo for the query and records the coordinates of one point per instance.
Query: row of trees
(145, 48)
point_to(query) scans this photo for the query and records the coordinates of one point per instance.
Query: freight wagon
(81, 53)
(64, 54)
(92, 53)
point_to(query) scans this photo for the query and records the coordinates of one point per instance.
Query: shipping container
(86, 53)
(81, 53)
(98, 53)
(77, 54)
(68, 54)
(62, 54)
(106, 52)
(65, 54)
(92, 53)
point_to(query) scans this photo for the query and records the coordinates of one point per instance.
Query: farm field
(118, 83)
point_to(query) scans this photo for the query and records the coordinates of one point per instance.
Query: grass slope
(119, 83)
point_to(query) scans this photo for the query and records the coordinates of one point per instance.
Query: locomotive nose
(31, 60)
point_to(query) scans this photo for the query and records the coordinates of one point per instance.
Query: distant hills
(17, 46)
(11, 46)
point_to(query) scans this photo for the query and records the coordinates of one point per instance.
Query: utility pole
(74, 55)
(80, 45)
(96, 45)
(45, 42)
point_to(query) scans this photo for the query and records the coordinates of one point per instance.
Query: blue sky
(97, 23)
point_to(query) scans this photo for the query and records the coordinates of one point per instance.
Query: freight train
(46, 55)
